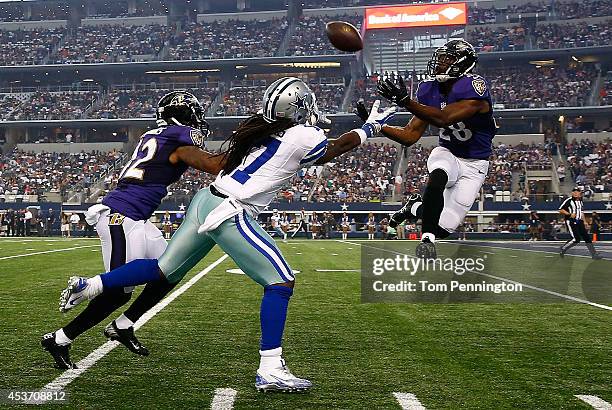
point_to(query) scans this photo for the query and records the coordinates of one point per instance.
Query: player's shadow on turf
(597, 281)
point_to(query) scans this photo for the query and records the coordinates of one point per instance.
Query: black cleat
(426, 250)
(61, 354)
(126, 337)
(597, 256)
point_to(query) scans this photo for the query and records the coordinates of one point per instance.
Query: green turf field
(473, 356)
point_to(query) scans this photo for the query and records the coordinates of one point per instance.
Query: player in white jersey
(275, 219)
(264, 153)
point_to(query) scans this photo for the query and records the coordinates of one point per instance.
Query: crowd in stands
(487, 39)
(362, 175)
(590, 165)
(581, 34)
(142, 102)
(228, 39)
(605, 94)
(23, 173)
(108, 43)
(242, 99)
(505, 161)
(309, 37)
(189, 184)
(529, 87)
(45, 105)
(583, 9)
(25, 47)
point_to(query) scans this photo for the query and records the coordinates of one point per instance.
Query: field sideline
(476, 356)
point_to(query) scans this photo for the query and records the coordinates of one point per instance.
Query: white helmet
(291, 98)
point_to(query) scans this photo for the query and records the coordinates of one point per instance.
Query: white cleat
(73, 294)
(280, 379)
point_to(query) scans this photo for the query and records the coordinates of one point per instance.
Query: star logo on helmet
(300, 102)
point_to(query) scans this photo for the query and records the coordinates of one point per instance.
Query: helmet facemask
(446, 64)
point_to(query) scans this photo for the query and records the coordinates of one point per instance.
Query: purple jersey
(471, 138)
(144, 180)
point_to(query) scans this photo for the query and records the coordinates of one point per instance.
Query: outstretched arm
(337, 147)
(198, 158)
(408, 135)
(451, 114)
(349, 140)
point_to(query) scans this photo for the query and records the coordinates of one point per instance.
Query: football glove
(362, 111)
(396, 93)
(377, 119)
(391, 231)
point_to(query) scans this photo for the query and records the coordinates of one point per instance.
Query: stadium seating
(309, 37)
(109, 43)
(47, 105)
(573, 35)
(26, 47)
(529, 87)
(590, 165)
(362, 175)
(228, 39)
(25, 173)
(141, 101)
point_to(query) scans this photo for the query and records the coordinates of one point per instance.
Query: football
(344, 36)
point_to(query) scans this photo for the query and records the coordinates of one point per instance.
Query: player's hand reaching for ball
(376, 119)
(394, 92)
(362, 111)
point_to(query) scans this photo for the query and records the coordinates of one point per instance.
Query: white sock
(271, 359)
(94, 288)
(61, 338)
(430, 236)
(122, 322)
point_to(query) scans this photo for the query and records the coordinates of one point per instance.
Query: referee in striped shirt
(572, 210)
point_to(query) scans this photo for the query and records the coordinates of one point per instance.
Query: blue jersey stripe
(272, 145)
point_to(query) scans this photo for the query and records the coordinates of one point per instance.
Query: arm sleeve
(565, 205)
(190, 136)
(314, 146)
(423, 92)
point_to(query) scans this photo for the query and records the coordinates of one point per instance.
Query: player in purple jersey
(459, 104)
(122, 219)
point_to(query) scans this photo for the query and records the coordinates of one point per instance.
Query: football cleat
(60, 353)
(426, 250)
(404, 213)
(73, 294)
(126, 337)
(280, 379)
(561, 252)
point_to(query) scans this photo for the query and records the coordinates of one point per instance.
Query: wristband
(362, 134)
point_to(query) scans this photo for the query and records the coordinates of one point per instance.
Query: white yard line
(224, 399)
(70, 375)
(51, 251)
(595, 402)
(550, 292)
(408, 401)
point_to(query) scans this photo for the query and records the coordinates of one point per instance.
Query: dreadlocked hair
(250, 134)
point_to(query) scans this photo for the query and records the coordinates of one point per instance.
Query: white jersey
(255, 183)
(275, 219)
